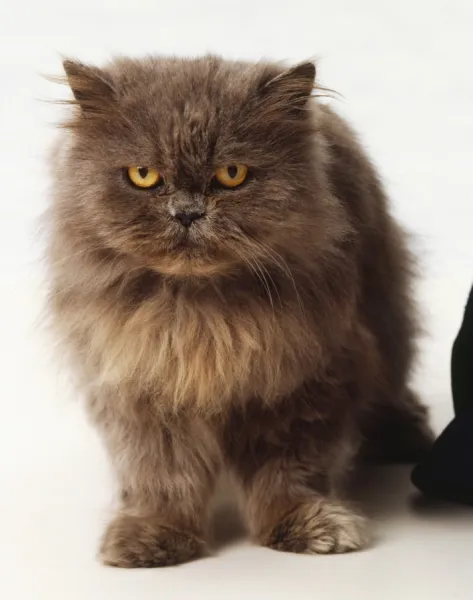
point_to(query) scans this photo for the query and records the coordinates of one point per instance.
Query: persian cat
(232, 293)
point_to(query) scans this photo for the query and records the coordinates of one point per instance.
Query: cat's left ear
(293, 86)
(92, 88)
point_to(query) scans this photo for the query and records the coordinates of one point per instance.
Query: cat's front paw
(134, 542)
(320, 527)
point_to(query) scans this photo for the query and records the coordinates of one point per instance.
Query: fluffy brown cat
(233, 293)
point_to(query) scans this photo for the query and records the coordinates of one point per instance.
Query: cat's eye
(143, 177)
(231, 176)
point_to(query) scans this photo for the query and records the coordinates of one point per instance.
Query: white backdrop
(404, 70)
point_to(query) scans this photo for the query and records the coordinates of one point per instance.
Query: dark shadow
(226, 526)
(386, 492)
(381, 491)
(428, 507)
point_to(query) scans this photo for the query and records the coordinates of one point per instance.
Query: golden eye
(231, 176)
(143, 177)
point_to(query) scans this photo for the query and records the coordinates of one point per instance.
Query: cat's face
(192, 167)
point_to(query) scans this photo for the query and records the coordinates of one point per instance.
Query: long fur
(275, 337)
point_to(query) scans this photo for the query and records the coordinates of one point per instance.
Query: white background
(405, 71)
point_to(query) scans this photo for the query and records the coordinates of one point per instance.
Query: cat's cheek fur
(283, 367)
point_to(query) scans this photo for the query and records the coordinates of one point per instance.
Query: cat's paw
(134, 542)
(320, 527)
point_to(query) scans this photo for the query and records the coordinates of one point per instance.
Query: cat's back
(386, 264)
(350, 171)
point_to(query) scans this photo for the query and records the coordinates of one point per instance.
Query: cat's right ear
(92, 88)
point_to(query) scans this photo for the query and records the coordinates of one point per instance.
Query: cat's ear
(92, 88)
(292, 87)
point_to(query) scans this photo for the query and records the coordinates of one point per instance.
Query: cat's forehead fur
(208, 84)
(189, 109)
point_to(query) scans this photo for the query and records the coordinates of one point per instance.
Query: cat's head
(192, 166)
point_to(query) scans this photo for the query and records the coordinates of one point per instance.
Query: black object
(447, 470)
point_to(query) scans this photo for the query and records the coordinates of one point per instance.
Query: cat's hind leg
(396, 430)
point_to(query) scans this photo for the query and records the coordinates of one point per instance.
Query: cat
(232, 293)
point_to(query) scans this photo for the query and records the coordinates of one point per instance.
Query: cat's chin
(193, 267)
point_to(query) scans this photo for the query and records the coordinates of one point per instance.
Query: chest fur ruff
(200, 354)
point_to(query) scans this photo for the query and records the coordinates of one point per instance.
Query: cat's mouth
(190, 257)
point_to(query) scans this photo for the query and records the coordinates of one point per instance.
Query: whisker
(279, 261)
(256, 270)
(69, 257)
(263, 279)
(268, 274)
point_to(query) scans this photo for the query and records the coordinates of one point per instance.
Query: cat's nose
(187, 218)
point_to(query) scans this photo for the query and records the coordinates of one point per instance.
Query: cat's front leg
(166, 467)
(290, 461)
